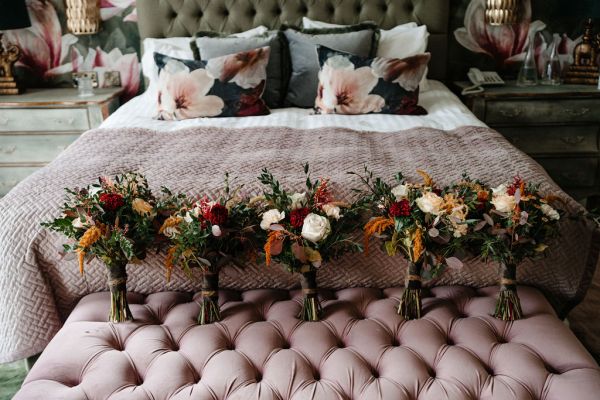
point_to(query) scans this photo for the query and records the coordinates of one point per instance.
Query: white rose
(188, 218)
(332, 211)
(430, 203)
(271, 217)
(400, 191)
(504, 202)
(315, 228)
(502, 189)
(550, 212)
(216, 230)
(298, 200)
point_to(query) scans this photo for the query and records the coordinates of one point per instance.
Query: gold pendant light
(83, 16)
(501, 12)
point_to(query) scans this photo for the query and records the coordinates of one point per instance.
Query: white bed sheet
(445, 111)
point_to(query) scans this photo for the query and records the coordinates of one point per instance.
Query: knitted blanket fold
(38, 288)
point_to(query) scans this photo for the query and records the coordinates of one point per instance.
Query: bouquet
(305, 230)
(113, 221)
(418, 221)
(518, 223)
(206, 234)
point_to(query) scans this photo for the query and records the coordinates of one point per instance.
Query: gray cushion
(360, 40)
(209, 45)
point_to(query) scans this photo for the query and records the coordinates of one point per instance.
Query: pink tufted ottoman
(361, 350)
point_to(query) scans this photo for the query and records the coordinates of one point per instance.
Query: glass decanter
(551, 75)
(528, 75)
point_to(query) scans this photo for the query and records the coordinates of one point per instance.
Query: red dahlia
(297, 217)
(112, 201)
(217, 215)
(400, 209)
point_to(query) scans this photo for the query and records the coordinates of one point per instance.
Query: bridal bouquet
(304, 230)
(113, 221)
(207, 233)
(518, 223)
(418, 221)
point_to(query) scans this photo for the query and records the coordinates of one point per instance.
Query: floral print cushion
(228, 86)
(350, 84)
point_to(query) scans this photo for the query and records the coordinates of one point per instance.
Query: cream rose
(400, 191)
(298, 200)
(502, 189)
(78, 223)
(142, 207)
(315, 228)
(271, 217)
(430, 203)
(503, 202)
(550, 212)
(332, 211)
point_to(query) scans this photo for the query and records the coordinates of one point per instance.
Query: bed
(361, 349)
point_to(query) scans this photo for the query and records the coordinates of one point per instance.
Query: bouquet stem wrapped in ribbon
(117, 284)
(209, 306)
(410, 303)
(508, 306)
(311, 307)
(112, 221)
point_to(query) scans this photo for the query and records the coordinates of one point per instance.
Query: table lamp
(13, 15)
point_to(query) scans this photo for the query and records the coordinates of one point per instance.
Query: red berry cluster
(217, 215)
(297, 217)
(111, 201)
(400, 209)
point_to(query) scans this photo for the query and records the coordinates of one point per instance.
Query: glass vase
(551, 75)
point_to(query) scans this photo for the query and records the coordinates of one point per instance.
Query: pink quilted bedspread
(38, 288)
(361, 349)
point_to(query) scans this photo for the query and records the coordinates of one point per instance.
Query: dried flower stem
(410, 303)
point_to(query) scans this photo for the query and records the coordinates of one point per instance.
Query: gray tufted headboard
(169, 18)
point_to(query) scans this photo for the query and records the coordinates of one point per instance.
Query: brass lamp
(13, 15)
(501, 12)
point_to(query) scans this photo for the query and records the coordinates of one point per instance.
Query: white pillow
(177, 47)
(399, 42)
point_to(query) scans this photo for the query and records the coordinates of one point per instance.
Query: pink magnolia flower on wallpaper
(45, 48)
(100, 61)
(183, 94)
(345, 90)
(505, 43)
(111, 8)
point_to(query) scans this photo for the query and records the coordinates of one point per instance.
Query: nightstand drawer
(32, 148)
(553, 139)
(571, 172)
(542, 111)
(10, 176)
(44, 120)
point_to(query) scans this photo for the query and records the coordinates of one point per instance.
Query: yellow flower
(169, 227)
(90, 237)
(143, 208)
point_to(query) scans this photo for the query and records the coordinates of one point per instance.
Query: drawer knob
(8, 150)
(573, 139)
(577, 113)
(510, 113)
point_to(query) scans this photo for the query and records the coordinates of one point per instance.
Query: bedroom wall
(51, 53)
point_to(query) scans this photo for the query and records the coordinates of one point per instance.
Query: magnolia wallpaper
(51, 54)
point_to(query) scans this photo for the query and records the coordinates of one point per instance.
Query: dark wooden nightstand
(559, 126)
